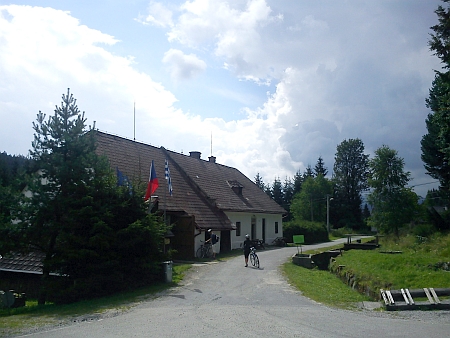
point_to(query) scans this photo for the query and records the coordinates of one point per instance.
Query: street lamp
(328, 212)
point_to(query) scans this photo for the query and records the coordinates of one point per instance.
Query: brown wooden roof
(201, 188)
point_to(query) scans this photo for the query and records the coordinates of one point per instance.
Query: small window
(276, 227)
(238, 228)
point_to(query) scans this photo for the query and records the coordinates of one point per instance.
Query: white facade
(260, 226)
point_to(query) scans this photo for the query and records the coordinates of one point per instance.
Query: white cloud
(182, 66)
(230, 28)
(335, 70)
(45, 51)
(158, 15)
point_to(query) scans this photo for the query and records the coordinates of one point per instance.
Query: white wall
(245, 219)
(200, 239)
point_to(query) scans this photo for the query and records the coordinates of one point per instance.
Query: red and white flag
(152, 182)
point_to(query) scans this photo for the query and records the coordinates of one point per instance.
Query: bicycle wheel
(256, 261)
(252, 259)
(199, 253)
(209, 251)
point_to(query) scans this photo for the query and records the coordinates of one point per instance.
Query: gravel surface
(225, 299)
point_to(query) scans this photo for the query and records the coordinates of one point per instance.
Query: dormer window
(235, 186)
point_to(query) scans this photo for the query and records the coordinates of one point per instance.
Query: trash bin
(167, 268)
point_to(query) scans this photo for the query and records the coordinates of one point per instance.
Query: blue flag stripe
(167, 176)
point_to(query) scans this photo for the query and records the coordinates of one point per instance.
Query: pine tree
(277, 191)
(298, 181)
(90, 231)
(288, 194)
(435, 144)
(259, 181)
(320, 168)
(350, 179)
(308, 172)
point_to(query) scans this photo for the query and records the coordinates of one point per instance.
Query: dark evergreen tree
(350, 179)
(435, 144)
(320, 168)
(288, 194)
(259, 181)
(277, 191)
(268, 190)
(95, 235)
(298, 181)
(308, 172)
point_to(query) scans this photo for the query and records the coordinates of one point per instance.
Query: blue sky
(276, 83)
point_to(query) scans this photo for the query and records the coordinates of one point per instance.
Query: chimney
(212, 159)
(195, 154)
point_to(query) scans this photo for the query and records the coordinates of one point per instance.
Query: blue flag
(122, 180)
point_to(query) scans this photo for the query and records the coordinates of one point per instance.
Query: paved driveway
(226, 299)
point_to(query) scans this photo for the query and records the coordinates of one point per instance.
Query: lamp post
(328, 213)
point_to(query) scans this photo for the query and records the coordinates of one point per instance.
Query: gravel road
(226, 299)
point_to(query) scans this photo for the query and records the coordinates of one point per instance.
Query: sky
(265, 86)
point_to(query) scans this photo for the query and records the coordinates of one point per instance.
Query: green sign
(298, 239)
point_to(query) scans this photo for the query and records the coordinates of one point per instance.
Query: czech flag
(152, 182)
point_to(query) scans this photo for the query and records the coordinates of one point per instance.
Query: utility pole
(328, 213)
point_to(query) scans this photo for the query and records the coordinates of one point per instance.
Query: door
(253, 222)
(264, 230)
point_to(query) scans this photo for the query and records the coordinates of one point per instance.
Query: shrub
(423, 230)
(314, 232)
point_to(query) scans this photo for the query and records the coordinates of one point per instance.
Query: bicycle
(204, 251)
(254, 260)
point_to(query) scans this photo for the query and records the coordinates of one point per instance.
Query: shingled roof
(203, 189)
(26, 263)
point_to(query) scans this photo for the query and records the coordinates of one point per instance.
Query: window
(238, 228)
(276, 227)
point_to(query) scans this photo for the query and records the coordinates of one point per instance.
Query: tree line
(339, 200)
(382, 180)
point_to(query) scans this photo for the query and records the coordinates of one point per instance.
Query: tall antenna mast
(211, 142)
(134, 122)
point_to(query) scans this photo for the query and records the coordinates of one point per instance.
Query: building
(206, 195)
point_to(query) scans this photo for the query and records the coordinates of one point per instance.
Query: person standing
(247, 246)
(213, 240)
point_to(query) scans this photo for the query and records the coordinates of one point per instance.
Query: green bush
(341, 232)
(423, 230)
(314, 232)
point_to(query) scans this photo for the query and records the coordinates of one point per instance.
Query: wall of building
(203, 236)
(245, 220)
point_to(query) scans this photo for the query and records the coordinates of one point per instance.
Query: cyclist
(212, 240)
(247, 246)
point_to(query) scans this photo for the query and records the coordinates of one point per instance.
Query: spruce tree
(435, 144)
(350, 179)
(93, 234)
(320, 168)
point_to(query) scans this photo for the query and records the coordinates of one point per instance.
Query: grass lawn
(322, 286)
(399, 263)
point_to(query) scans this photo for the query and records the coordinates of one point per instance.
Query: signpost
(299, 240)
